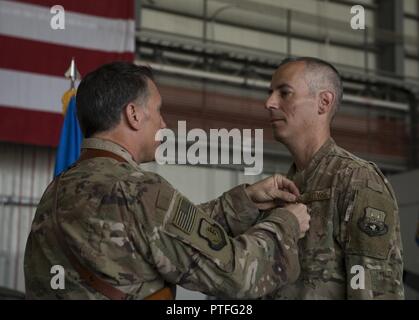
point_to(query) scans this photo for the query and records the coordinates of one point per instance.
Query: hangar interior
(213, 61)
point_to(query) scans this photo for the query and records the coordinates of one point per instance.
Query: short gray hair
(320, 74)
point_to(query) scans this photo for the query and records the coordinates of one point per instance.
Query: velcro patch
(164, 198)
(312, 196)
(193, 227)
(373, 222)
(371, 227)
(213, 234)
(185, 216)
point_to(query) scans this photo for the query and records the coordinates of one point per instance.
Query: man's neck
(120, 140)
(303, 149)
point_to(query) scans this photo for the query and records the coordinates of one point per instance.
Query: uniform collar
(107, 145)
(300, 177)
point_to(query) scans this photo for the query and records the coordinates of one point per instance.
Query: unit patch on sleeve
(372, 223)
(213, 234)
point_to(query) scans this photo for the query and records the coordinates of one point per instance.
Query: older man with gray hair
(353, 249)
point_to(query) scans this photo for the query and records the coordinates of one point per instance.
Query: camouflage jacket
(134, 230)
(353, 248)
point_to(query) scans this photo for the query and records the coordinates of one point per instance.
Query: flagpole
(68, 150)
(72, 73)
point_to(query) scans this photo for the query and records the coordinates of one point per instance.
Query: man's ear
(326, 101)
(134, 116)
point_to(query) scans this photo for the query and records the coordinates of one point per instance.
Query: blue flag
(71, 137)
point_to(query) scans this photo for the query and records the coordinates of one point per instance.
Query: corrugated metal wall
(25, 172)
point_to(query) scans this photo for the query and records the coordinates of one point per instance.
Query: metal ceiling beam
(294, 35)
(261, 58)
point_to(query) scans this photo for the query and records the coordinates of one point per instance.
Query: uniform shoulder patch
(189, 224)
(213, 234)
(373, 222)
(185, 216)
(164, 198)
(371, 226)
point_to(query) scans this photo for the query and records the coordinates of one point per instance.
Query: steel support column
(390, 38)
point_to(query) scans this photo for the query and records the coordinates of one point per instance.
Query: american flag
(34, 58)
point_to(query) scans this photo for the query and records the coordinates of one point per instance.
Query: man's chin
(279, 136)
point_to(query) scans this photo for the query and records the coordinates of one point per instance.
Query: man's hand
(300, 211)
(266, 193)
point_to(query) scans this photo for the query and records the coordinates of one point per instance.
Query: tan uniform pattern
(138, 233)
(354, 223)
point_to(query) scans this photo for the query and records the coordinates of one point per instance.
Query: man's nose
(271, 103)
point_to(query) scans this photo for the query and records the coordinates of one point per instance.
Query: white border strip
(32, 91)
(81, 30)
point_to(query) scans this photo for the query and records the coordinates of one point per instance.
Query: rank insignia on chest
(213, 234)
(373, 222)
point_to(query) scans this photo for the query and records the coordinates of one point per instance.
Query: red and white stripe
(34, 57)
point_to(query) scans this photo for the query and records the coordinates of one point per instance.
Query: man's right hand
(266, 193)
(300, 211)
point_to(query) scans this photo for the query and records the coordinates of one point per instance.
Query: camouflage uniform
(137, 232)
(354, 222)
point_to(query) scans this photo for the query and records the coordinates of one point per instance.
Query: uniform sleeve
(370, 236)
(234, 210)
(189, 248)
